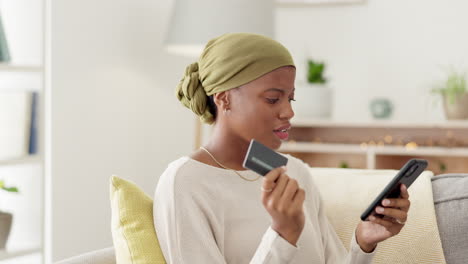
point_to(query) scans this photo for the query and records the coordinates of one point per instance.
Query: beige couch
(450, 193)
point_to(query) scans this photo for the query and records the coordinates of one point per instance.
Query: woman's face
(262, 108)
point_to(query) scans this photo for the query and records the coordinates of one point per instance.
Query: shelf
(21, 81)
(9, 254)
(6, 67)
(311, 123)
(25, 73)
(321, 148)
(380, 144)
(21, 160)
(20, 77)
(385, 150)
(422, 151)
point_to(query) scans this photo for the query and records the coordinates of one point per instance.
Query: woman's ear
(222, 100)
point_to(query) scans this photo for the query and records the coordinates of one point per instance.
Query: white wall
(390, 48)
(113, 112)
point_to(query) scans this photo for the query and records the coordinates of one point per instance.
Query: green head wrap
(227, 62)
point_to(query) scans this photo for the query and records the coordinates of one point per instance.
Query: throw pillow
(133, 231)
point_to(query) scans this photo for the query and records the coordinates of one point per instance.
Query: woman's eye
(274, 100)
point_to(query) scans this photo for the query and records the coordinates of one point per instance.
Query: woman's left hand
(395, 211)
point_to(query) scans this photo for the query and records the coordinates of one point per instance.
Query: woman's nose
(287, 112)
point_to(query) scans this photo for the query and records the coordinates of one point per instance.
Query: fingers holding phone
(284, 203)
(394, 190)
(395, 214)
(401, 202)
(394, 210)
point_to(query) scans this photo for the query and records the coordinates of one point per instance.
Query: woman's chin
(276, 144)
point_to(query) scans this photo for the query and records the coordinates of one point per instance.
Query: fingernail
(371, 218)
(283, 167)
(386, 202)
(379, 210)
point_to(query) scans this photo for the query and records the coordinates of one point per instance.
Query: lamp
(195, 22)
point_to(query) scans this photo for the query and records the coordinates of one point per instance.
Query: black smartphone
(262, 159)
(407, 175)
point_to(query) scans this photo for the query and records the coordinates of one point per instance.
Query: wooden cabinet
(380, 144)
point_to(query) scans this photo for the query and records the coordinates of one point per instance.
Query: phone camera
(411, 170)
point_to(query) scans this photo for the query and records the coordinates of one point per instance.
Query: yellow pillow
(133, 230)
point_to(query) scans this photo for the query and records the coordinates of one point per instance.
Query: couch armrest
(451, 204)
(101, 256)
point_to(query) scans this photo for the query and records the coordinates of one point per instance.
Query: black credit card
(262, 159)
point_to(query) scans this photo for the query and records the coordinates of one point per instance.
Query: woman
(209, 209)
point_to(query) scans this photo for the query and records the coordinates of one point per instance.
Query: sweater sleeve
(335, 252)
(188, 223)
(274, 249)
(182, 222)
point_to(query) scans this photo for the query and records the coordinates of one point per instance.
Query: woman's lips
(282, 135)
(283, 131)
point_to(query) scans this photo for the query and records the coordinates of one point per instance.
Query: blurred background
(87, 91)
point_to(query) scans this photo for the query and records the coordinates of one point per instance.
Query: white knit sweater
(204, 214)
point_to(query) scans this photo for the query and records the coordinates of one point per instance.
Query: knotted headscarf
(227, 62)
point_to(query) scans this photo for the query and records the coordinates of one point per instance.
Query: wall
(395, 49)
(113, 112)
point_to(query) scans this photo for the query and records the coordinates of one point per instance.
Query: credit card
(262, 159)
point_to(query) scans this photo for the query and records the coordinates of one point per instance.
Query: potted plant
(455, 95)
(314, 97)
(5, 218)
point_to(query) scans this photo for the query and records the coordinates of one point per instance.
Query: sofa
(450, 203)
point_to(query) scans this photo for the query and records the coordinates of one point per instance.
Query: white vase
(313, 101)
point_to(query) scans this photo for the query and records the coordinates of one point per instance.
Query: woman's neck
(227, 149)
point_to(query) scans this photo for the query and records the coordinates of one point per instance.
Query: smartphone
(262, 159)
(407, 175)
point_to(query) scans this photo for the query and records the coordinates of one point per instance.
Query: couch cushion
(133, 231)
(347, 192)
(451, 204)
(101, 256)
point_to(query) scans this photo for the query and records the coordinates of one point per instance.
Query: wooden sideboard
(379, 144)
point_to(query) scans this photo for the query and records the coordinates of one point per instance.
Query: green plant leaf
(452, 87)
(344, 165)
(8, 189)
(11, 189)
(442, 167)
(315, 72)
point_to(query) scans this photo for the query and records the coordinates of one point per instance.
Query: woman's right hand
(283, 199)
